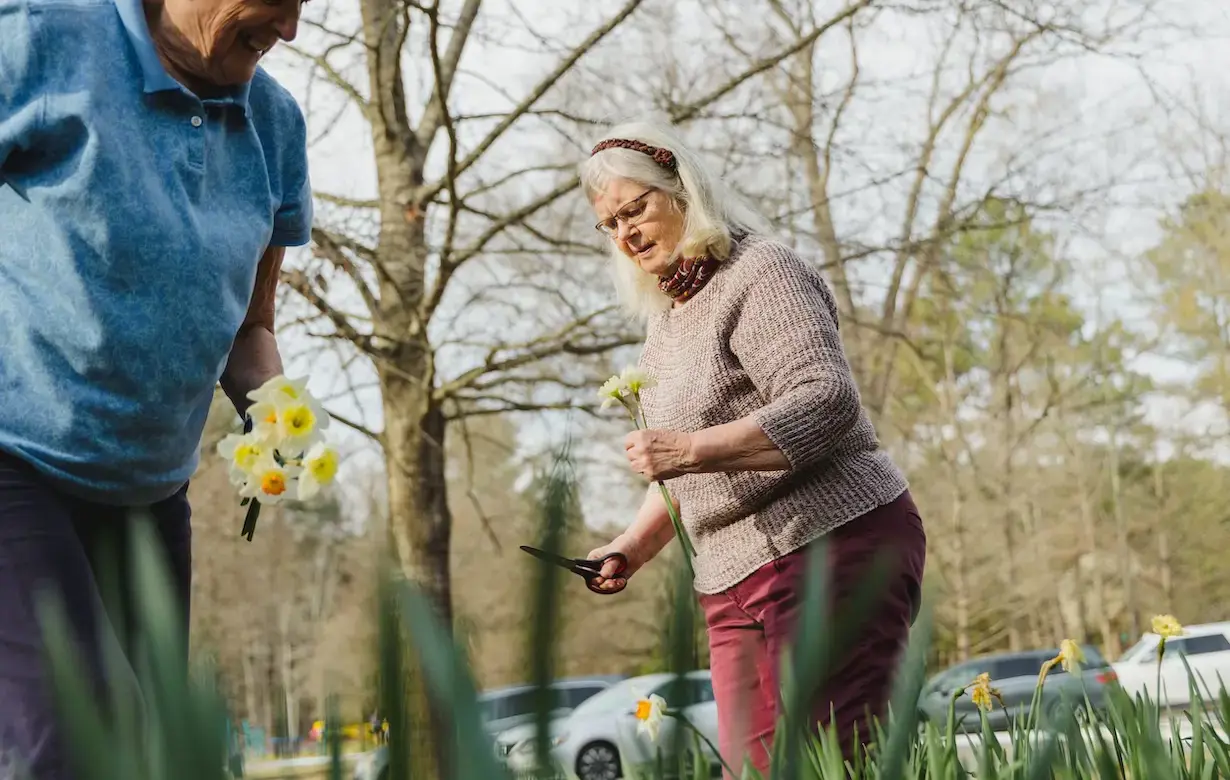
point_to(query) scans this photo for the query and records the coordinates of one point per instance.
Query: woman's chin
(652, 264)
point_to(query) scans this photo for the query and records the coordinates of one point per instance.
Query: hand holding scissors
(588, 569)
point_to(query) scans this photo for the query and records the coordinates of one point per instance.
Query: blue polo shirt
(132, 218)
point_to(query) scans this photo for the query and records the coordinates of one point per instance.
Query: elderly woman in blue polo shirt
(151, 176)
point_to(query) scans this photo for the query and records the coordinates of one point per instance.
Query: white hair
(710, 209)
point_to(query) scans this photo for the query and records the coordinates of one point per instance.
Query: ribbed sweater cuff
(808, 423)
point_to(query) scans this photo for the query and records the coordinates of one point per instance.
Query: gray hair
(711, 210)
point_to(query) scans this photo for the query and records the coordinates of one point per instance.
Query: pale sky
(1106, 101)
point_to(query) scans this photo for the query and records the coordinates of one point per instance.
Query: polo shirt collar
(132, 14)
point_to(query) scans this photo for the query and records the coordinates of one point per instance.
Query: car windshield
(1139, 650)
(508, 705)
(619, 694)
(515, 704)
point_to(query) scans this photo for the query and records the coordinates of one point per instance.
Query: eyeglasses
(630, 214)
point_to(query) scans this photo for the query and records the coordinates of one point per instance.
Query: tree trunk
(1012, 585)
(800, 98)
(286, 676)
(1163, 543)
(251, 708)
(421, 526)
(1097, 590)
(960, 582)
(1121, 531)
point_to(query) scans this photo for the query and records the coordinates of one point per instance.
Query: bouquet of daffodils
(281, 454)
(625, 389)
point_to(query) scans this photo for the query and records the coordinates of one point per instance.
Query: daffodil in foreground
(270, 482)
(1070, 658)
(981, 692)
(1166, 627)
(319, 469)
(242, 452)
(649, 714)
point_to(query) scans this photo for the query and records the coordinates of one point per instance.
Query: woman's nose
(623, 230)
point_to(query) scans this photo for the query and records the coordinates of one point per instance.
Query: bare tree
(456, 234)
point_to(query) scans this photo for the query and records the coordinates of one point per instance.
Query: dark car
(1015, 676)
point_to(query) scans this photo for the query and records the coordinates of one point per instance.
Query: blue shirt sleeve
(292, 224)
(20, 104)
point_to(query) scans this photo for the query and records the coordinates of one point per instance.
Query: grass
(168, 727)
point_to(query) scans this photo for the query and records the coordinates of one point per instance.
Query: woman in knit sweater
(756, 423)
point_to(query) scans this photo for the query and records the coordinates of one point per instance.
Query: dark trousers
(78, 551)
(751, 623)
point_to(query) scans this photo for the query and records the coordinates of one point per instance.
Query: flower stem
(637, 413)
(708, 742)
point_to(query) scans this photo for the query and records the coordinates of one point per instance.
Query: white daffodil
(635, 380)
(298, 427)
(612, 391)
(280, 389)
(282, 410)
(270, 482)
(649, 713)
(264, 416)
(242, 452)
(319, 469)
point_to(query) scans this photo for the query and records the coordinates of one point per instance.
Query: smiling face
(643, 223)
(220, 42)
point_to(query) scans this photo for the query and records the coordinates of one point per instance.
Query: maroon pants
(751, 623)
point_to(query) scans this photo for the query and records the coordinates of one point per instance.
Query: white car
(599, 740)
(1205, 648)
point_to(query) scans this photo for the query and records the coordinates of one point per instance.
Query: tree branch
(298, 281)
(333, 77)
(534, 96)
(436, 113)
(558, 343)
(332, 248)
(684, 113)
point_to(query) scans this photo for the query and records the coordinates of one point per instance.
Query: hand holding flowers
(281, 454)
(658, 455)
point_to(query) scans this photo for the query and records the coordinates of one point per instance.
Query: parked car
(1206, 650)
(506, 708)
(599, 739)
(1015, 676)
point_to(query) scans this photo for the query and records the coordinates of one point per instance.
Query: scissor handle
(597, 565)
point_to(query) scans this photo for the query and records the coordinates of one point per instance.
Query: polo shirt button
(196, 121)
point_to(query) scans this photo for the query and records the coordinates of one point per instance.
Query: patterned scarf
(690, 275)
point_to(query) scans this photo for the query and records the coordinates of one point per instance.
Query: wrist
(697, 452)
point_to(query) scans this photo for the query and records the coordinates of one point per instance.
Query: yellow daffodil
(1166, 626)
(982, 692)
(270, 482)
(649, 714)
(1071, 656)
(319, 469)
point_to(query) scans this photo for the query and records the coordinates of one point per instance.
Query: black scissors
(585, 567)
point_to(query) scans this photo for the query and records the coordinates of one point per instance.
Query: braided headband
(663, 157)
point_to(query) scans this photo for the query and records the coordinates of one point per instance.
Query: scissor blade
(567, 563)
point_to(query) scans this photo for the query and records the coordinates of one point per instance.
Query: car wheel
(598, 761)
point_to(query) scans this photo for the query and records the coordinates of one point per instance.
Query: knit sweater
(761, 339)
